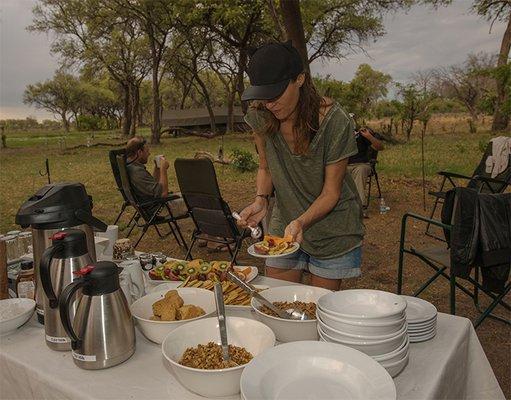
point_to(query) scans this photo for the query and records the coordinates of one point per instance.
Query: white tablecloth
(450, 366)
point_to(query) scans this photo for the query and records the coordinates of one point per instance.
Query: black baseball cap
(270, 69)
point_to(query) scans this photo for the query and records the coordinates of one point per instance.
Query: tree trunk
(240, 83)
(126, 117)
(134, 109)
(156, 127)
(501, 117)
(207, 100)
(292, 18)
(65, 121)
(230, 110)
(276, 21)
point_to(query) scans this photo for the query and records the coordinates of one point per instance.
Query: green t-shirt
(298, 181)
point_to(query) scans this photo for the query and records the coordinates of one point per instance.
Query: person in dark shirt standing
(358, 164)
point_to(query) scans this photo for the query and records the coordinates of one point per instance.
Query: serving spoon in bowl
(290, 313)
(220, 309)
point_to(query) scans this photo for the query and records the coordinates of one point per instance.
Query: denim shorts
(345, 266)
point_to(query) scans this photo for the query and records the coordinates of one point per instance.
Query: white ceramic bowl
(371, 348)
(395, 368)
(14, 313)
(315, 370)
(348, 336)
(359, 304)
(157, 330)
(287, 330)
(254, 336)
(395, 355)
(360, 327)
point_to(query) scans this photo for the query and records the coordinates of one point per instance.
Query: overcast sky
(420, 39)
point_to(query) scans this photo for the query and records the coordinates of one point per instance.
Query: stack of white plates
(371, 321)
(421, 319)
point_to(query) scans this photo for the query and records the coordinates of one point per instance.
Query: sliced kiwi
(190, 270)
(223, 265)
(180, 266)
(205, 267)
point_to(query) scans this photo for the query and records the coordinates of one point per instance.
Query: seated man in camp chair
(358, 164)
(147, 187)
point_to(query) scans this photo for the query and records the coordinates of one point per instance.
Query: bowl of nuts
(161, 312)
(298, 297)
(195, 355)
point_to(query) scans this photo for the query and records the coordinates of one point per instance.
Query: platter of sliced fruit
(200, 270)
(273, 246)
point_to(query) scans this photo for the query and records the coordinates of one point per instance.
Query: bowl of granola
(194, 353)
(299, 297)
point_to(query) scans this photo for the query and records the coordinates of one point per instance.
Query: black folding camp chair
(480, 181)
(439, 259)
(211, 214)
(372, 156)
(149, 211)
(112, 155)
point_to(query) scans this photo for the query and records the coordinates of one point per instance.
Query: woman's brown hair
(307, 116)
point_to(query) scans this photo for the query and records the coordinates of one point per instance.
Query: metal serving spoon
(220, 309)
(256, 232)
(285, 314)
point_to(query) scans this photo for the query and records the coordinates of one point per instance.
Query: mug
(157, 159)
(112, 233)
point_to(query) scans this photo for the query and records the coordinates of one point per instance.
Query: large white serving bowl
(348, 336)
(253, 335)
(395, 355)
(315, 370)
(157, 330)
(14, 313)
(375, 305)
(360, 327)
(287, 330)
(371, 348)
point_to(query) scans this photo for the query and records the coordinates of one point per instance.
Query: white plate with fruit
(273, 247)
(179, 271)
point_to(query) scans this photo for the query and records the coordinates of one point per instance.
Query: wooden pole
(4, 280)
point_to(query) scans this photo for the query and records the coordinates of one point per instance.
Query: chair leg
(158, 231)
(368, 199)
(377, 184)
(189, 252)
(144, 230)
(131, 230)
(401, 255)
(123, 207)
(133, 218)
(487, 312)
(183, 241)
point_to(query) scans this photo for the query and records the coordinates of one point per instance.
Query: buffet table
(452, 365)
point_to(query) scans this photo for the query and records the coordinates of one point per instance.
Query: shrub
(243, 160)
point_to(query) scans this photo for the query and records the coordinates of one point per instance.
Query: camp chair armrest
(448, 174)
(490, 180)
(423, 219)
(162, 200)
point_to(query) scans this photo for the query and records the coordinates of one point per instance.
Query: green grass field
(22, 161)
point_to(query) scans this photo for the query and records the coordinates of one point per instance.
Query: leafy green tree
(60, 95)
(98, 36)
(468, 83)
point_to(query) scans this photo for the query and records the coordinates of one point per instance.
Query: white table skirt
(450, 366)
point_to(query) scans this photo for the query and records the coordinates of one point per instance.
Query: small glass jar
(25, 282)
(25, 239)
(146, 261)
(160, 258)
(11, 247)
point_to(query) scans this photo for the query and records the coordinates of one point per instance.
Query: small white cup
(126, 286)
(157, 159)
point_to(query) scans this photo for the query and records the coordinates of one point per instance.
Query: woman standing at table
(304, 142)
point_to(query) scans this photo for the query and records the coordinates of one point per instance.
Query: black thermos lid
(58, 205)
(102, 278)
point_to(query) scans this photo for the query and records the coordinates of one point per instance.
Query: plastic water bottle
(383, 207)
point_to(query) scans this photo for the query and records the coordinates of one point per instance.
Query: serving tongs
(247, 287)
